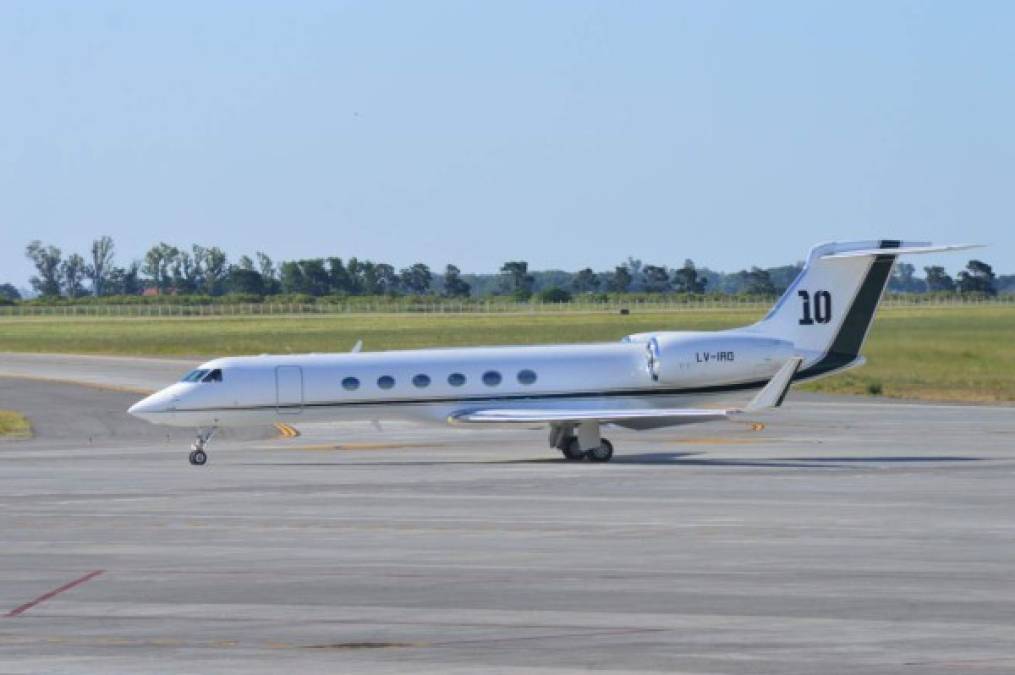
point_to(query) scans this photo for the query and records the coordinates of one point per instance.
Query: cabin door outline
(289, 390)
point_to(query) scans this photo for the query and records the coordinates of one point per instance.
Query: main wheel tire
(572, 451)
(603, 453)
(198, 457)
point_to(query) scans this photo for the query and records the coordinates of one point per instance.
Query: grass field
(947, 353)
(14, 425)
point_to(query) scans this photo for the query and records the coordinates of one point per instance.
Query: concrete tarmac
(849, 536)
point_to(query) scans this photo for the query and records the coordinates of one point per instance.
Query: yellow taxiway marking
(286, 430)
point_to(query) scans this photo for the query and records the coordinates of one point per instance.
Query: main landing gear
(198, 456)
(582, 441)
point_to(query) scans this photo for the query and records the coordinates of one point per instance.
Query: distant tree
(242, 280)
(72, 274)
(454, 286)
(265, 266)
(157, 262)
(657, 279)
(47, 261)
(634, 268)
(216, 269)
(9, 292)
(338, 276)
(686, 280)
(522, 294)
(938, 279)
(551, 278)
(291, 277)
(904, 280)
(316, 281)
(245, 263)
(386, 279)
(269, 275)
(354, 268)
(620, 280)
(585, 281)
(554, 295)
(102, 262)
(186, 272)
(757, 281)
(416, 279)
(978, 277)
(781, 276)
(519, 280)
(125, 280)
(368, 275)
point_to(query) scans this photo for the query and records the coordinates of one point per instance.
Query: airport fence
(492, 307)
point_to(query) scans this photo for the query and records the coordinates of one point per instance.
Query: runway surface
(849, 536)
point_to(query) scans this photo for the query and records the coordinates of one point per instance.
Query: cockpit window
(194, 376)
(213, 376)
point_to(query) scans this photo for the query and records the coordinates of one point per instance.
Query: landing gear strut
(197, 454)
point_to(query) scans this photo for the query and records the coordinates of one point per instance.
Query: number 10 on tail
(822, 308)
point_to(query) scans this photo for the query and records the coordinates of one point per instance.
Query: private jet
(645, 381)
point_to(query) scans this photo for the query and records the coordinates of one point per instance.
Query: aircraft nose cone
(156, 403)
(140, 408)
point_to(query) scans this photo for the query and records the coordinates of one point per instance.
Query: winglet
(357, 348)
(773, 393)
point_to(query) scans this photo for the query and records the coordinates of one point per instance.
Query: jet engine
(701, 359)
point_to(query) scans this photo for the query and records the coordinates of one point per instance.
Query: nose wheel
(198, 456)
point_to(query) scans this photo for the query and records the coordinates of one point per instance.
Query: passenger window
(213, 376)
(456, 379)
(491, 378)
(526, 376)
(421, 380)
(350, 384)
(194, 376)
(385, 382)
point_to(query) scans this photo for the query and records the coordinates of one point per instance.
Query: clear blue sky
(564, 133)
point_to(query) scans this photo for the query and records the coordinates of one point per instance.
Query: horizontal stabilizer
(905, 250)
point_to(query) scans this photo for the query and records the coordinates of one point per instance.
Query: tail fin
(827, 311)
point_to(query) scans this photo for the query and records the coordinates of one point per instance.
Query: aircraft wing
(770, 396)
(636, 418)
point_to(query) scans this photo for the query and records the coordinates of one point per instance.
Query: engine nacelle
(702, 359)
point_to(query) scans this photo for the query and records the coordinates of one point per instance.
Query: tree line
(207, 271)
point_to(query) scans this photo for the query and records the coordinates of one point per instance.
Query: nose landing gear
(198, 456)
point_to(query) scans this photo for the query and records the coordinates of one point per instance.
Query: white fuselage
(646, 381)
(644, 371)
